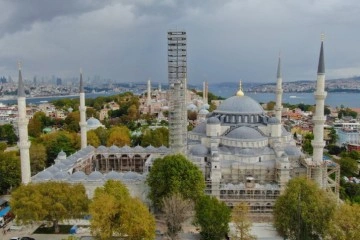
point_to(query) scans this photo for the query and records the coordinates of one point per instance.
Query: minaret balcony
(24, 145)
(318, 144)
(278, 91)
(318, 120)
(320, 95)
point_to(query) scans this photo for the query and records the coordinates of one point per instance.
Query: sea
(333, 99)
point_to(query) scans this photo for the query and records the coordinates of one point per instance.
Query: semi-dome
(199, 150)
(200, 128)
(292, 151)
(245, 133)
(213, 120)
(238, 105)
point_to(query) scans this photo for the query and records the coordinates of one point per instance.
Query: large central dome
(240, 104)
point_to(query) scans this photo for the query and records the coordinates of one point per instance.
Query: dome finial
(240, 93)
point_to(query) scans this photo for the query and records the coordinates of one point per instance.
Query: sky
(228, 40)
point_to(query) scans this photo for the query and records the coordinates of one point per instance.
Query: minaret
(148, 101)
(24, 143)
(279, 91)
(82, 109)
(319, 119)
(240, 92)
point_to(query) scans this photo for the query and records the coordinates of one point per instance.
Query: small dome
(200, 128)
(53, 169)
(199, 150)
(245, 133)
(131, 176)
(61, 176)
(78, 176)
(292, 151)
(205, 106)
(61, 166)
(203, 112)
(113, 175)
(61, 155)
(114, 149)
(70, 109)
(95, 176)
(213, 120)
(273, 120)
(44, 176)
(191, 107)
(93, 122)
(102, 149)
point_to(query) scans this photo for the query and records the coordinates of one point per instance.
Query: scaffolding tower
(177, 72)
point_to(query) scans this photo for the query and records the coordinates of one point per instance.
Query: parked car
(27, 238)
(15, 238)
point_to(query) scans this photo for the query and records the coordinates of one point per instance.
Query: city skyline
(227, 41)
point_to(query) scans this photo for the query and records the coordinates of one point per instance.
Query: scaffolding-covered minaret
(82, 109)
(279, 91)
(319, 119)
(24, 143)
(177, 73)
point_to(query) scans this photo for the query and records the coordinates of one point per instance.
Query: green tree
(10, 175)
(103, 135)
(348, 166)
(174, 173)
(7, 133)
(56, 141)
(157, 137)
(119, 136)
(344, 225)
(176, 211)
(270, 105)
(303, 211)
(307, 147)
(38, 157)
(240, 218)
(213, 217)
(38, 122)
(92, 138)
(115, 212)
(333, 136)
(3, 146)
(49, 201)
(72, 122)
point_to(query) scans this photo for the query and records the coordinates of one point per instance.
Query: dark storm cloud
(19, 15)
(227, 40)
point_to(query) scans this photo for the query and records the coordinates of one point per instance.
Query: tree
(38, 157)
(10, 175)
(57, 141)
(115, 212)
(119, 136)
(7, 133)
(303, 211)
(72, 122)
(348, 166)
(49, 201)
(171, 174)
(344, 225)
(270, 105)
(307, 147)
(176, 211)
(38, 122)
(157, 137)
(92, 138)
(213, 217)
(240, 218)
(333, 136)
(103, 135)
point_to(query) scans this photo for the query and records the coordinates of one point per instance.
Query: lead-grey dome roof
(240, 104)
(62, 175)
(78, 176)
(213, 120)
(44, 176)
(93, 122)
(273, 120)
(292, 151)
(95, 176)
(245, 133)
(113, 175)
(199, 150)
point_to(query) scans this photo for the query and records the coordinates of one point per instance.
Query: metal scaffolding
(177, 72)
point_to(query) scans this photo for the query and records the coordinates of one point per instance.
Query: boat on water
(292, 96)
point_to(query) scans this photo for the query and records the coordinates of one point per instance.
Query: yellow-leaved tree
(119, 136)
(115, 213)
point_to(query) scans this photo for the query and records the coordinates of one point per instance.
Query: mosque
(245, 155)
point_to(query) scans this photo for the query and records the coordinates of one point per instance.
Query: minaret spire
(148, 101)
(23, 121)
(319, 119)
(82, 109)
(279, 91)
(240, 93)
